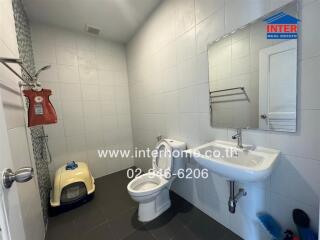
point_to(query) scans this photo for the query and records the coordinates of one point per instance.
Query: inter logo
(282, 26)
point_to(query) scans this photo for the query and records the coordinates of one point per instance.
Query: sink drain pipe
(234, 198)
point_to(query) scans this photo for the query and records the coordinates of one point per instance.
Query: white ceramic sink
(224, 158)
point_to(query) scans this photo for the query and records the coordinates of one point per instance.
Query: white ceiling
(117, 19)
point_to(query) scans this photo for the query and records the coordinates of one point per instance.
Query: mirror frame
(293, 3)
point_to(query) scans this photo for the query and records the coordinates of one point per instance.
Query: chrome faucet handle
(235, 136)
(159, 138)
(238, 134)
(249, 148)
(239, 131)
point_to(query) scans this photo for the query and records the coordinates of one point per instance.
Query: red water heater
(40, 110)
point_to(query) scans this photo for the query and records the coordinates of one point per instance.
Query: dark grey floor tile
(100, 232)
(205, 227)
(115, 188)
(62, 227)
(189, 215)
(184, 233)
(111, 203)
(126, 223)
(114, 179)
(61, 230)
(228, 235)
(141, 234)
(88, 216)
(114, 207)
(164, 226)
(63, 218)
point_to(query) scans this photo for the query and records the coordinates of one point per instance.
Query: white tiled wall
(88, 78)
(168, 82)
(25, 216)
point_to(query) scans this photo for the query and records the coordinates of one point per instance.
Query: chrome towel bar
(243, 92)
(227, 89)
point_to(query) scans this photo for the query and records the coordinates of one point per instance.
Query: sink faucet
(238, 136)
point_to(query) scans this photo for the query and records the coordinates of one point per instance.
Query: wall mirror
(252, 79)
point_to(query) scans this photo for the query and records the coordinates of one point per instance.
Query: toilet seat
(146, 184)
(162, 163)
(154, 181)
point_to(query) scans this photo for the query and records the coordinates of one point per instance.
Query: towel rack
(228, 89)
(33, 81)
(243, 92)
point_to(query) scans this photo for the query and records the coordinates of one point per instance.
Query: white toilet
(151, 190)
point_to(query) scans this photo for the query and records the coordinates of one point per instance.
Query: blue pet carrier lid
(71, 165)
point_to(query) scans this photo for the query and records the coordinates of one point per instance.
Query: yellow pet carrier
(73, 182)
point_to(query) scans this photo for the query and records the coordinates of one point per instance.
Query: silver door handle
(24, 174)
